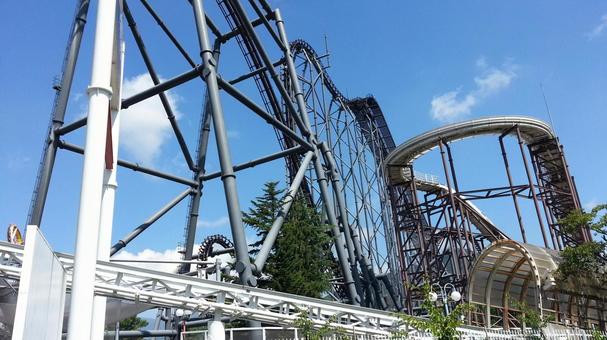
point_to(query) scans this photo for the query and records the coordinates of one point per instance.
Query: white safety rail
(465, 333)
(200, 295)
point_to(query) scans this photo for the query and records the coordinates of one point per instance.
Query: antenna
(547, 108)
(327, 52)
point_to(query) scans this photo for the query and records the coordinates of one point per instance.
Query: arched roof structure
(508, 274)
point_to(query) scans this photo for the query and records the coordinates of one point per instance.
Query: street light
(454, 295)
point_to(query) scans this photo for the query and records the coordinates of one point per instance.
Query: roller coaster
(393, 228)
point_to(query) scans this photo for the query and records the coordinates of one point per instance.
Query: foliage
(263, 213)
(531, 318)
(587, 260)
(307, 331)
(300, 261)
(131, 324)
(598, 335)
(443, 327)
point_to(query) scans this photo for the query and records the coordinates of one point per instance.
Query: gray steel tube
(201, 158)
(365, 264)
(305, 130)
(243, 265)
(133, 166)
(128, 238)
(163, 98)
(50, 149)
(287, 201)
(143, 333)
(167, 85)
(255, 162)
(319, 170)
(230, 89)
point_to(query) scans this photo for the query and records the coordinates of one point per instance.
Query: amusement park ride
(392, 227)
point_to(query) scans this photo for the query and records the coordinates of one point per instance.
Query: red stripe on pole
(109, 147)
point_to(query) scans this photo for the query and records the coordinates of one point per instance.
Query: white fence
(278, 333)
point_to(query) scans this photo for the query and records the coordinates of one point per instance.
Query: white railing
(420, 176)
(465, 333)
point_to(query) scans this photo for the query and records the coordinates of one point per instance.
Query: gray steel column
(511, 185)
(264, 252)
(319, 170)
(243, 265)
(61, 99)
(194, 207)
(162, 95)
(365, 264)
(151, 220)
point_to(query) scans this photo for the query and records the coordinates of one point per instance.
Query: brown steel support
(459, 206)
(453, 223)
(415, 212)
(514, 199)
(554, 233)
(531, 187)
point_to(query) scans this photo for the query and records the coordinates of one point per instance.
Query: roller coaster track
(205, 296)
(422, 242)
(366, 133)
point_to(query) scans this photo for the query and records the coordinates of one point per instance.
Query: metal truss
(206, 296)
(332, 146)
(439, 230)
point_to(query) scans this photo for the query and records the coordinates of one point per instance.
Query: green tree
(300, 260)
(307, 330)
(532, 319)
(131, 324)
(587, 260)
(263, 212)
(442, 326)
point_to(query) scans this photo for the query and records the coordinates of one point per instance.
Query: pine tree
(263, 213)
(300, 260)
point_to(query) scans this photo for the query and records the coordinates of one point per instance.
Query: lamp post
(454, 295)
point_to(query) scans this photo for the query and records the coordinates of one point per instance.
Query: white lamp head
(455, 295)
(179, 312)
(432, 296)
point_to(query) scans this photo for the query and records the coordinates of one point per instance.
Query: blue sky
(427, 63)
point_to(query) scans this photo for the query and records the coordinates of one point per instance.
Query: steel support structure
(440, 232)
(332, 146)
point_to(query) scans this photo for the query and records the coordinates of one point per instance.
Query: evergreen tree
(132, 323)
(300, 261)
(263, 213)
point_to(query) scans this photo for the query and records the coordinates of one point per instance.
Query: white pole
(87, 234)
(109, 179)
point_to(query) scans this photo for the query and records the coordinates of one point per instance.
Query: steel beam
(262, 160)
(286, 203)
(133, 166)
(61, 99)
(340, 246)
(163, 97)
(243, 265)
(155, 217)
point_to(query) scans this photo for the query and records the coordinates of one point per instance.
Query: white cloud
(233, 134)
(219, 222)
(16, 161)
(453, 105)
(144, 126)
(494, 80)
(599, 29)
(151, 255)
(449, 107)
